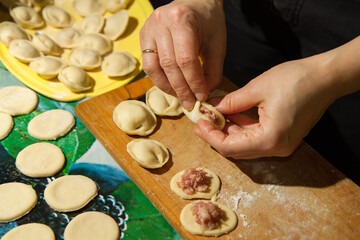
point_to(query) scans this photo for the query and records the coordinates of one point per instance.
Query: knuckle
(149, 67)
(185, 62)
(167, 63)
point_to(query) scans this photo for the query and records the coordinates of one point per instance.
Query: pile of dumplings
(73, 48)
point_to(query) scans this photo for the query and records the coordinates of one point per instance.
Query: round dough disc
(30, 231)
(188, 220)
(17, 199)
(214, 186)
(40, 160)
(6, 124)
(70, 192)
(16, 100)
(92, 226)
(51, 125)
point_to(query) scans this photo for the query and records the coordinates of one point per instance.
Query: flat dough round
(51, 125)
(69, 193)
(163, 104)
(188, 220)
(16, 100)
(92, 226)
(40, 160)
(148, 153)
(17, 199)
(212, 192)
(30, 231)
(6, 125)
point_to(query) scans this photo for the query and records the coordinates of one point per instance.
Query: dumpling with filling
(23, 50)
(57, 17)
(116, 25)
(75, 78)
(47, 66)
(27, 17)
(118, 64)
(95, 41)
(67, 37)
(92, 24)
(85, 58)
(134, 118)
(46, 45)
(10, 31)
(116, 5)
(88, 7)
(14, 3)
(163, 104)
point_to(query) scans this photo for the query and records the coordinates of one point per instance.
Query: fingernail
(200, 96)
(187, 105)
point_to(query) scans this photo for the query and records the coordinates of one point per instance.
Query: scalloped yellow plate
(139, 10)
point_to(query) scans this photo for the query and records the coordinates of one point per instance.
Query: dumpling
(206, 111)
(118, 64)
(57, 17)
(92, 24)
(41, 3)
(10, 31)
(46, 45)
(47, 66)
(23, 50)
(134, 117)
(85, 58)
(116, 24)
(14, 3)
(67, 37)
(116, 5)
(163, 104)
(27, 17)
(95, 41)
(88, 7)
(148, 153)
(75, 78)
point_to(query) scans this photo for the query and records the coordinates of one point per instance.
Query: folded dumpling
(85, 58)
(27, 17)
(95, 41)
(118, 64)
(163, 104)
(67, 37)
(46, 45)
(57, 17)
(23, 50)
(92, 24)
(116, 5)
(47, 66)
(75, 78)
(10, 31)
(116, 25)
(88, 7)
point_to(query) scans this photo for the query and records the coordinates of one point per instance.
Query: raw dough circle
(16, 100)
(92, 226)
(70, 192)
(30, 231)
(40, 160)
(188, 220)
(214, 186)
(51, 125)
(163, 104)
(17, 199)
(6, 124)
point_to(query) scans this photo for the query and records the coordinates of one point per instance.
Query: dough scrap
(16, 100)
(6, 125)
(188, 220)
(30, 231)
(69, 193)
(214, 186)
(75, 78)
(163, 104)
(40, 160)
(17, 199)
(92, 226)
(51, 125)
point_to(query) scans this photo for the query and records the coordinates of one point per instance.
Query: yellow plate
(139, 10)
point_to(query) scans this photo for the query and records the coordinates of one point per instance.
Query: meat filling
(211, 115)
(194, 180)
(207, 214)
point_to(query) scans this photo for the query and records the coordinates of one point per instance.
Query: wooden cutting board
(298, 197)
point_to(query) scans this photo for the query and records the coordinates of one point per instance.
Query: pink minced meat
(207, 214)
(211, 115)
(193, 180)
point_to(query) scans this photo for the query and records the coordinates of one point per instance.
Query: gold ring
(150, 51)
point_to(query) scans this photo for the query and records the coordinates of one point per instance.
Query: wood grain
(298, 197)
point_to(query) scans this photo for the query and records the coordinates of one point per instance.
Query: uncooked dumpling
(10, 31)
(26, 17)
(116, 5)
(148, 153)
(163, 104)
(57, 17)
(75, 78)
(14, 3)
(85, 58)
(47, 66)
(95, 41)
(118, 64)
(67, 37)
(88, 7)
(16, 100)
(30, 231)
(46, 45)
(134, 117)
(23, 50)
(116, 24)
(6, 124)
(92, 24)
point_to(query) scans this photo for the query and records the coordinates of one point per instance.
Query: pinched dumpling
(67, 37)
(26, 17)
(75, 78)
(148, 153)
(95, 41)
(163, 104)
(47, 66)
(118, 64)
(116, 24)
(85, 58)
(134, 118)
(46, 45)
(116, 5)
(88, 7)
(14, 3)
(92, 24)
(206, 111)
(10, 31)
(57, 17)
(23, 50)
